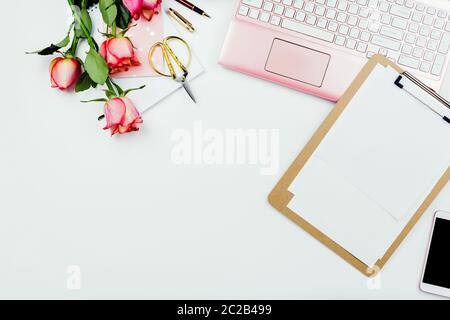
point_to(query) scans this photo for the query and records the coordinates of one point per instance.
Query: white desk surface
(140, 226)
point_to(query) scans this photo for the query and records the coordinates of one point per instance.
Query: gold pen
(181, 20)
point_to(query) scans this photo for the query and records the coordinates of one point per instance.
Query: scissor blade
(189, 92)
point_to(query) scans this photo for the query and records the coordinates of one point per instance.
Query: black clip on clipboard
(427, 90)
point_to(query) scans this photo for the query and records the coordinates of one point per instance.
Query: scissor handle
(167, 53)
(167, 40)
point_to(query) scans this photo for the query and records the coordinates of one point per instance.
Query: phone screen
(437, 270)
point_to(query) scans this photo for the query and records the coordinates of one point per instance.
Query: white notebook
(375, 166)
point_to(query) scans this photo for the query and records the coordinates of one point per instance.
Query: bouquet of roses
(115, 54)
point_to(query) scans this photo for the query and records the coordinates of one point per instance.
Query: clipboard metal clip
(427, 89)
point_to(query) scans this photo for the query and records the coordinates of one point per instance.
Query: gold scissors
(168, 56)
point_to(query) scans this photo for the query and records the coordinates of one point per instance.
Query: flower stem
(85, 30)
(110, 85)
(114, 29)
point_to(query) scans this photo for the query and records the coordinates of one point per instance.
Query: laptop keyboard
(409, 33)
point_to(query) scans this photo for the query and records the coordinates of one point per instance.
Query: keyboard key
(322, 23)
(300, 16)
(407, 49)
(287, 2)
(400, 11)
(309, 7)
(331, 3)
(439, 23)
(417, 52)
(289, 13)
(354, 33)
(253, 3)
(342, 5)
(431, 10)
(408, 62)
(352, 20)
(351, 44)
(254, 14)
(353, 9)
(331, 14)
(333, 26)
(243, 10)
(399, 23)
(385, 42)
(417, 17)
(420, 7)
(445, 44)
(343, 29)
(385, 19)
(383, 51)
(432, 45)
(421, 42)
(361, 47)
(425, 31)
(340, 40)
(392, 32)
(279, 9)
(447, 26)
(425, 67)
(311, 20)
(276, 20)
(299, 4)
(414, 27)
(363, 24)
(307, 30)
(341, 17)
(410, 38)
(428, 56)
(364, 12)
(435, 34)
(428, 20)
(442, 14)
(268, 6)
(438, 65)
(365, 36)
(384, 6)
(320, 11)
(264, 16)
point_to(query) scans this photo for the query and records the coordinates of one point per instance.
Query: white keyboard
(409, 33)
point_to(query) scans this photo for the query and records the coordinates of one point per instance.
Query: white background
(140, 226)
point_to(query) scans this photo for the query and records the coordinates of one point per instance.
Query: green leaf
(133, 89)
(95, 100)
(123, 15)
(64, 42)
(96, 67)
(51, 49)
(86, 20)
(108, 9)
(84, 83)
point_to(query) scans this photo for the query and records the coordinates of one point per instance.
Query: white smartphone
(436, 272)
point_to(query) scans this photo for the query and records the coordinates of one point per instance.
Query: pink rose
(64, 72)
(146, 8)
(121, 116)
(119, 54)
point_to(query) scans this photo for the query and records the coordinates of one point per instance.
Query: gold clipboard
(280, 197)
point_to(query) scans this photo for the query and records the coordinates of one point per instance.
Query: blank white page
(383, 155)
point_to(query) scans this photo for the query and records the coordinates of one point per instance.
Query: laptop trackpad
(297, 62)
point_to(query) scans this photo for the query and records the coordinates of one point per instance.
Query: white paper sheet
(374, 167)
(157, 88)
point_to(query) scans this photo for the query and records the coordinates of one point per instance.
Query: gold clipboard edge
(280, 195)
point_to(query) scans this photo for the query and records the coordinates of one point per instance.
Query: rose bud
(121, 116)
(134, 6)
(149, 8)
(64, 72)
(119, 54)
(146, 8)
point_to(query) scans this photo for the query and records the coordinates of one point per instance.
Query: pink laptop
(318, 46)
